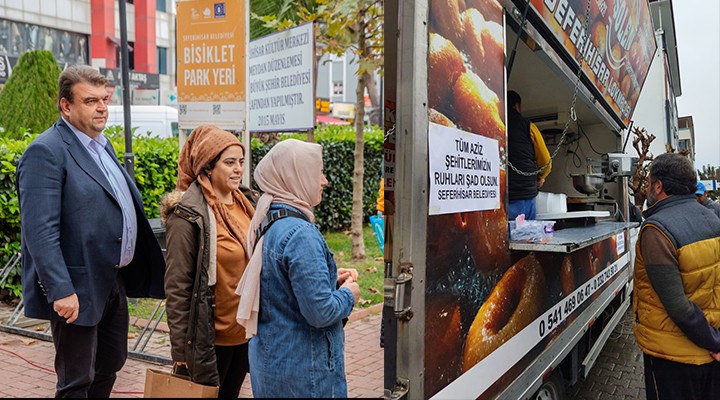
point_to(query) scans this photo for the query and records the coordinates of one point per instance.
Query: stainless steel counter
(570, 239)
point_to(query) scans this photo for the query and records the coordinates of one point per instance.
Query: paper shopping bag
(160, 384)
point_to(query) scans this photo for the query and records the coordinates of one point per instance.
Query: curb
(354, 316)
(142, 323)
(364, 312)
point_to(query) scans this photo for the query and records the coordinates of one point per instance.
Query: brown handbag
(161, 384)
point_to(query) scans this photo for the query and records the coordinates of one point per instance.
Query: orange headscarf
(204, 144)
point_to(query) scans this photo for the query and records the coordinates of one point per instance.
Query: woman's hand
(354, 288)
(180, 368)
(347, 275)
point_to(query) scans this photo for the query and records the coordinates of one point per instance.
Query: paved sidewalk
(27, 363)
(618, 373)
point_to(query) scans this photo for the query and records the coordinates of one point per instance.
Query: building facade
(686, 134)
(88, 32)
(656, 109)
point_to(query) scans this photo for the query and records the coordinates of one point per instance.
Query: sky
(697, 29)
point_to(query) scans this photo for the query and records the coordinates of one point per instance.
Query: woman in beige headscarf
(207, 220)
(292, 296)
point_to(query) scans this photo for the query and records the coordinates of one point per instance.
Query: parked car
(159, 121)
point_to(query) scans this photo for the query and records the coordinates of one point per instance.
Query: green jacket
(190, 301)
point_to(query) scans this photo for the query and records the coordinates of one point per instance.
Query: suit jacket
(71, 227)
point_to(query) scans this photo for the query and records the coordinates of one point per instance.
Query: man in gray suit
(86, 242)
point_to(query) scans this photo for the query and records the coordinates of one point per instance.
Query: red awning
(328, 120)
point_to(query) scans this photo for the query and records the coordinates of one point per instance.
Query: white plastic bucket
(551, 203)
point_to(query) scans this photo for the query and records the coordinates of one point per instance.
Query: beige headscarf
(204, 144)
(290, 173)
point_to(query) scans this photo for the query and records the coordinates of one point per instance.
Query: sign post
(211, 50)
(128, 158)
(212, 43)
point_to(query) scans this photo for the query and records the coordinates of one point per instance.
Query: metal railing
(17, 323)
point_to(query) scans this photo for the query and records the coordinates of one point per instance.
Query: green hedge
(335, 211)
(10, 151)
(156, 173)
(29, 100)
(155, 165)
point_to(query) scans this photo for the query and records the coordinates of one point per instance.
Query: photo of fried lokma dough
(446, 19)
(478, 108)
(445, 65)
(597, 36)
(440, 118)
(466, 56)
(490, 9)
(487, 236)
(515, 301)
(485, 47)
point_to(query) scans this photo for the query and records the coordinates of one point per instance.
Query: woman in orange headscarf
(207, 219)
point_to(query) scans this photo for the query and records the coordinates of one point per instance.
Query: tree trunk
(356, 226)
(374, 95)
(318, 57)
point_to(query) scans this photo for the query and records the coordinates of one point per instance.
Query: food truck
(472, 308)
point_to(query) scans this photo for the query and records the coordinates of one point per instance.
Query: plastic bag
(531, 230)
(378, 224)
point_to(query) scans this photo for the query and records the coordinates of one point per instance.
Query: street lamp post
(128, 157)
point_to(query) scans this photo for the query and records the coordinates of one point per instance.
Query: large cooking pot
(588, 183)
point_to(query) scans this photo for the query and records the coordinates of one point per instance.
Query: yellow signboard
(212, 37)
(322, 105)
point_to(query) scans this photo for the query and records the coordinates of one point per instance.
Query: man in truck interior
(677, 286)
(527, 153)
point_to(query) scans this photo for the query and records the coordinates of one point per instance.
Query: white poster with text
(282, 89)
(464, 171)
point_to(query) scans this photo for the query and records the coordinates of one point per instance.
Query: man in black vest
(526, 152)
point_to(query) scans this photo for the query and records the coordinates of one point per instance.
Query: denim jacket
(299, 347)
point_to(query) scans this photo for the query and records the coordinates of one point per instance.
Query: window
(175, 127)
(131, 55)
(684, 144)
(162, 60)
(338, 88)
(161, 5)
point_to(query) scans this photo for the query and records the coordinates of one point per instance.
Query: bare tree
(638, 182)
(344, 25)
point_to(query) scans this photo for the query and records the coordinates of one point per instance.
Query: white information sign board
(464, 171)
(710, 184)
(282, 88)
